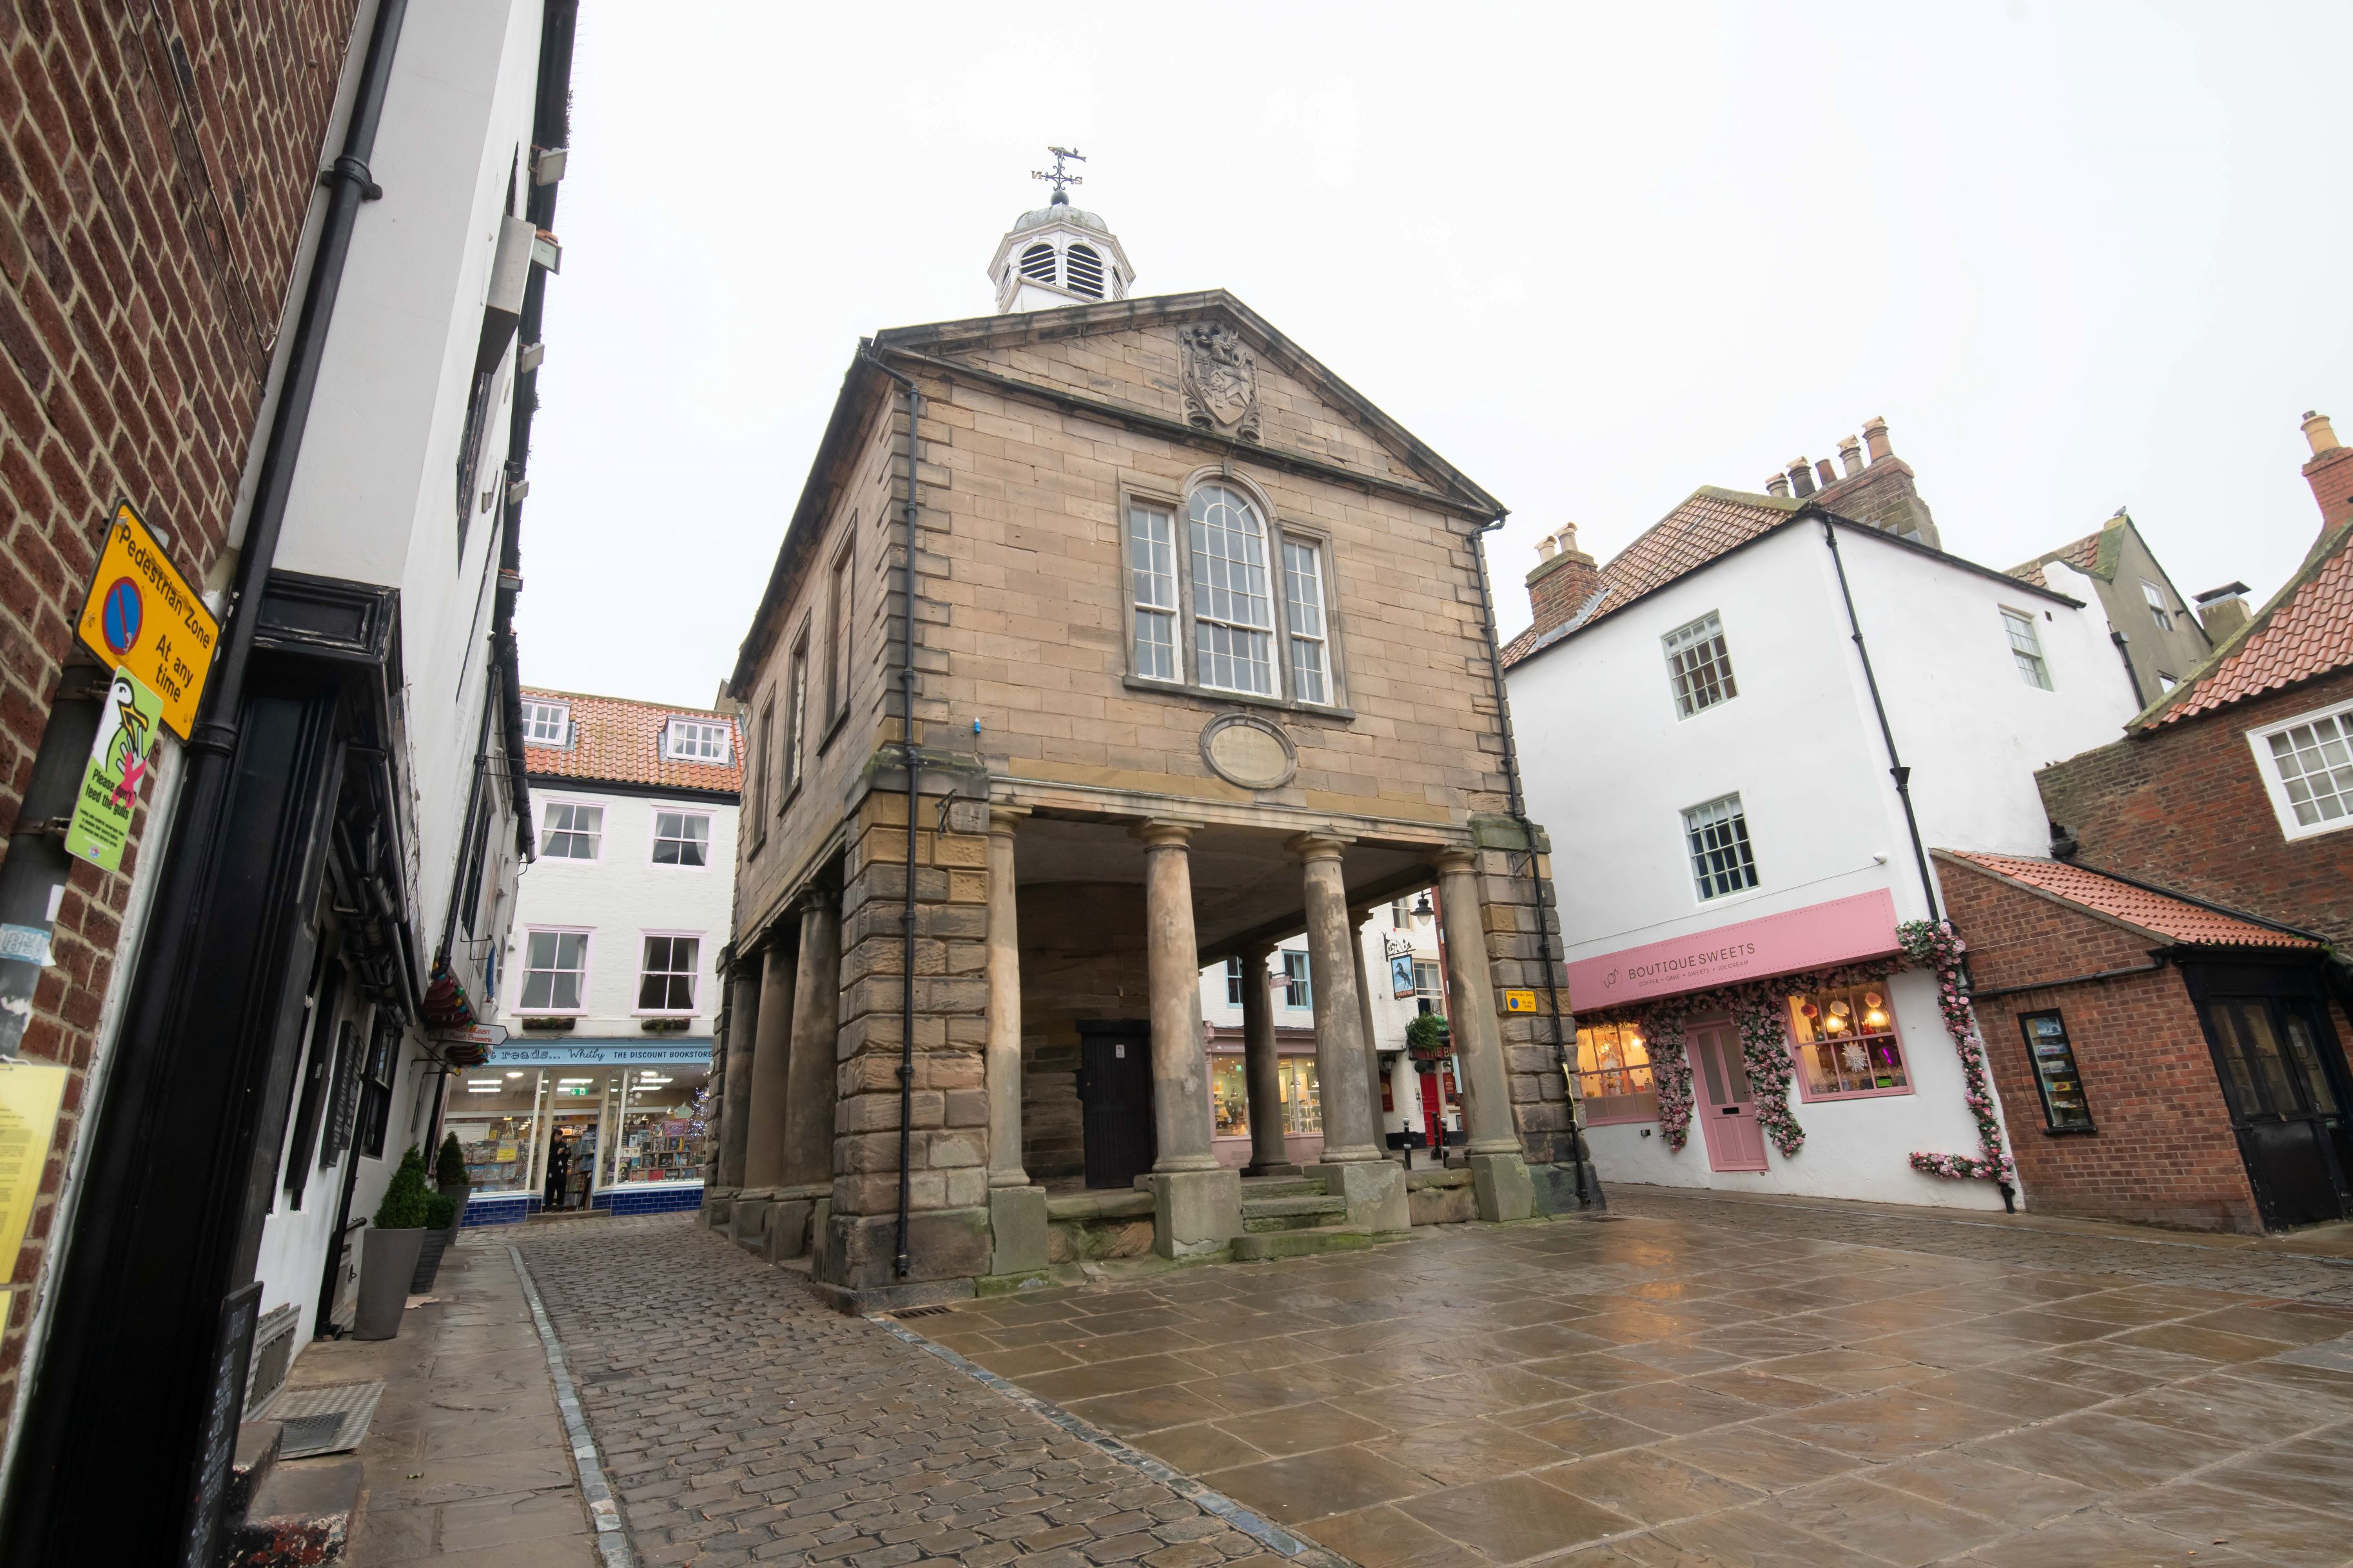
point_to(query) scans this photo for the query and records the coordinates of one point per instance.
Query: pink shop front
(1820, 1051)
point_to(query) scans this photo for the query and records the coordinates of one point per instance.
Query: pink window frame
(1806, 1096)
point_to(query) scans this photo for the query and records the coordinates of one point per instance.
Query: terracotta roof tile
(619, 741)
(2305, 630)
(2159, 914)
(2084, 555)
(1708, 523)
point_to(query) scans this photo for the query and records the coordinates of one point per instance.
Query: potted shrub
(389, 1250)
(449, 1176)
(1427, 1040)
(441, 1230)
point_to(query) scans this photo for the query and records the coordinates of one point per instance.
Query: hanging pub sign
(1401, 974)
(142, 617)
(102, 809)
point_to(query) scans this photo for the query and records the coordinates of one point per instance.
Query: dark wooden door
(2283, 1076)
(1115, 1101)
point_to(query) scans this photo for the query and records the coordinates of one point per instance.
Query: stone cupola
(1056, 256)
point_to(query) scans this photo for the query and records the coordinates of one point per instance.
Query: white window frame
(2259, 742)
(536, 708)
(547, 806)
(654, 836)
(2038, 677)
(637, 983)
(1696, 634)
(685, 740)
(2158, 609)
(1700, 877)
(523, 971)
(1148, 592)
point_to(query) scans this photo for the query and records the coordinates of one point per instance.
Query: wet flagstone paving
(1696, 1383)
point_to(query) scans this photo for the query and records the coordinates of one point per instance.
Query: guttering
(2157, 960)
(1895, 768)
(913, 762)
(1528, 830)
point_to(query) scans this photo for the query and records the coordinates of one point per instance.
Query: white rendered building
(1727, 777)
(610, 993)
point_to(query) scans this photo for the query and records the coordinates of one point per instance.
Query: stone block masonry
(155, 168)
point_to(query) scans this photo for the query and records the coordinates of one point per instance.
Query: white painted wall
(1610, 768)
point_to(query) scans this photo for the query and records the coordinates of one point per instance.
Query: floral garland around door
(1671, 1076)
(1935, 946)
(1765, 1052)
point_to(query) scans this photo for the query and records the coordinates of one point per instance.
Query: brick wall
(2185, 808)
(154, 175)
(2162, 1150)
(1560, 587)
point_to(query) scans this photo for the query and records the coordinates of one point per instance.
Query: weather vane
(1062, 197)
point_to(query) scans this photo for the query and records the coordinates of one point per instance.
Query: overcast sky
(2078, 257)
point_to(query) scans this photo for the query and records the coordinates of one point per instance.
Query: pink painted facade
(1839, 931)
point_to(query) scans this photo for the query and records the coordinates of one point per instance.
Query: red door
(1728, 1111)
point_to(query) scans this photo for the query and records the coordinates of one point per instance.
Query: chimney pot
(1823, 470)
(1850, 454)
(1778, 485)
(1567, 537)
(2316, 430)
(1874, 436)
(1802, 478)
(1544, 547)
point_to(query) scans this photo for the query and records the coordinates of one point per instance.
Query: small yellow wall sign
(1519, 1001)
(30, 1094)
(142, 617)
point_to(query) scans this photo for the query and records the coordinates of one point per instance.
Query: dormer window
(1038, 263)
(694, 741)
(546, 723)
(1083, 271)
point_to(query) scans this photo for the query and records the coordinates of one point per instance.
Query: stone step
(1299, 1213)
(1255, 1187)
(1260, 1248)
(1110, 1203)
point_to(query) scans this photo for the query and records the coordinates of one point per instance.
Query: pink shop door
(1727, 1111)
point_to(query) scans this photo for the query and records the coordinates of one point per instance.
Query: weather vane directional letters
(1060, 178)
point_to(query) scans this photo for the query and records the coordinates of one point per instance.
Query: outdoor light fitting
(547, 164)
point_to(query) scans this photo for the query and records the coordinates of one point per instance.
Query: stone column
(1017, 1209)
(1262, 1070)
(1357, 920)
(1352, 1168)
(763, 1139)
(1196, 1204)
(742, 1030)
(805, 1164)
(1498, 1167)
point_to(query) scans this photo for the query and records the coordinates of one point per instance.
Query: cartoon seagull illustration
(126, 752)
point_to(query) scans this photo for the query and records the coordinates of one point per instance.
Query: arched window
(1232, 611)
(1084, 269)
(1037, 262)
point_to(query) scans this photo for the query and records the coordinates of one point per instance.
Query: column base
(795, 1215)
(1503, 1188)
(1282, 1170)
(1374, 1191)
(858, 1252)
(718, 1207)
(1018, 1229)
(1194, 1212)
(1558, 1188)
(748, 1223)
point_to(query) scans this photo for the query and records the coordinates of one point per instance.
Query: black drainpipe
(2132, 676)
(1895, 768)
(914, 776)
(1520, 816)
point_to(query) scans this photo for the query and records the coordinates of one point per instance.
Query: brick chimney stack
(1877, 486)
(1563, 581)
(2329, 472)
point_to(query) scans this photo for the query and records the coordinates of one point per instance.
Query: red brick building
(2179, 952)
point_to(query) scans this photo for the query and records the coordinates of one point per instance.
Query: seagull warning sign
(143, 617)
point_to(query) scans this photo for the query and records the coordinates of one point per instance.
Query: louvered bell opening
(1085, 272)
(1037, 262)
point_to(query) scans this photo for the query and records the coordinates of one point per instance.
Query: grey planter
(387, 1264)
(429, 1260)
(464, 1192)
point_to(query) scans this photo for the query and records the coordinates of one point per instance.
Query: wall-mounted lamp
(547, 164)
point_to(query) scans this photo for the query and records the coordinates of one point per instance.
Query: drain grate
(330, 1420)
(924, 1313)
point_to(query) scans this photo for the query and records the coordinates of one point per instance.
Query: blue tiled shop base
(661, 1200)
(505, 1208)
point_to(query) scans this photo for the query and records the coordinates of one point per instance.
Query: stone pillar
(804, 1181)
(763, 1139)
(1357, 920)
(1353, 1167)
(1499, 1170)
(1017, 1209)
(742, 1030)
(1269, 1154)
(1196, 1204)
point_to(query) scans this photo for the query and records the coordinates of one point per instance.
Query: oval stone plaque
(1243, 749)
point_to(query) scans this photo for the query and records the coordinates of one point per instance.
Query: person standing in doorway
(559, 1171)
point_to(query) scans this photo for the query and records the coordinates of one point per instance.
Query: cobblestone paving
(740, 1421)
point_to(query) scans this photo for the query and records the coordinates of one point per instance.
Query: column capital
(1004, 819)
(1455, 860)
(1162, 833)
(1258, 953)
(1317, 846)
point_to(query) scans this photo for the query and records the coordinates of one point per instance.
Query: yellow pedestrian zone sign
(142, 617)
(1519, 1001)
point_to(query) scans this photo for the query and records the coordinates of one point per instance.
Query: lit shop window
(1302, 1113)
(1613, 1074)
(1230, 1091)
(2064, 1109)
(1847, 1043)
(572, 832)
(1700, 665)
(1303, 1109)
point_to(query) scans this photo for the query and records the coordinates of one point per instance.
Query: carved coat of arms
(1221, 380)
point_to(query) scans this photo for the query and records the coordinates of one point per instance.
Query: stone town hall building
(1200, 656)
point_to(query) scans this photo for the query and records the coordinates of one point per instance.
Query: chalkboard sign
(224, 1409)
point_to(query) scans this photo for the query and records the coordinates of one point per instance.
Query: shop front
(1302, 1108)
(615, 1125)
(1808, 1051)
